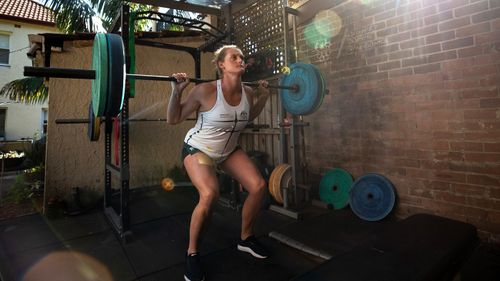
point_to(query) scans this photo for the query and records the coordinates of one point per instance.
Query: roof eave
(25, 20)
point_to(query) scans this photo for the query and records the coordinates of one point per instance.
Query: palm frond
(31, 90)
(80, 15)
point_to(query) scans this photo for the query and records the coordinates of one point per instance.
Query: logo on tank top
(243, 115)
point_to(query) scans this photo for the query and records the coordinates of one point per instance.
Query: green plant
(35, 155)
(28, 185)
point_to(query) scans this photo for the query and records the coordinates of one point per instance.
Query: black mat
(333, 232)
(483, 265)
(421, 247)
(26, 241)
(231, 264)
(152, 203)
(156, 245)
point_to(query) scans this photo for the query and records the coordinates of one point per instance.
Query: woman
(224, 108)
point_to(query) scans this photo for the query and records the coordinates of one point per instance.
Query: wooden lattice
(258, 31)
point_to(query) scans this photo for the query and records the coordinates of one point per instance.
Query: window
(4, 49)
(44, 121)
(3, 113)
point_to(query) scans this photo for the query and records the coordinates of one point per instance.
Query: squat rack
(120, 216)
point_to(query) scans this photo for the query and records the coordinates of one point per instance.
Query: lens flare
(325, 25)
(68, 265)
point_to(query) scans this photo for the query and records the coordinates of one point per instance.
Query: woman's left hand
(263, 88)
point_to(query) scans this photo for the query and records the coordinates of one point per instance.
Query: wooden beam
(178, 5)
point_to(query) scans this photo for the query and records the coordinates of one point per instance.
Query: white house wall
(22, 121)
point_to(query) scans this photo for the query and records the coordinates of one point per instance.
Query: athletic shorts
(189, 150)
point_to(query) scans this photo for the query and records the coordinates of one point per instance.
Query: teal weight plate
(334, 188)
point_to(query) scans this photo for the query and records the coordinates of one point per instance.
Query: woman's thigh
(243, 170)
(202, 176)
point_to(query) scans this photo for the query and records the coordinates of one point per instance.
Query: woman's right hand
(181, 83)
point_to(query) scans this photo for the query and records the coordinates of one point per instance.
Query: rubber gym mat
(483, 265)
(48, 231)
(333, 232)
(230, 264)
(103, 248)
(154, 203)
(421, 247)
(157, 244)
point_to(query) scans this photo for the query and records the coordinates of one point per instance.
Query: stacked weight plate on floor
(281, 177)
(311, 89)
(372, 197)
(334, 188)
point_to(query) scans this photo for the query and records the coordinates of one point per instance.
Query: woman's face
(233, 62)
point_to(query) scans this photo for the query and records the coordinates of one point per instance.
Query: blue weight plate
(372, 197)
(305, 100)
(116, 79)
(334, 188)
(321, 91)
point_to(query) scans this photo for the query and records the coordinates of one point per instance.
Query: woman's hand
(263, 89)
(181, 83)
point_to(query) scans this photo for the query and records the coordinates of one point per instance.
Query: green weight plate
(116, 89)
(100, 66)
(311, 89)
(94, 126)
(334, 188)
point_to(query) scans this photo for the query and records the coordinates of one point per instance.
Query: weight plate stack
(94, 125)
(100, 66)
(116, 90)
(280, 177)
(309, 95)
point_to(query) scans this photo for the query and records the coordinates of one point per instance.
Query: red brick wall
(414, 95)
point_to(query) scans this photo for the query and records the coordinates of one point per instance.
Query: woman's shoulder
(207, 86)
(205, 89)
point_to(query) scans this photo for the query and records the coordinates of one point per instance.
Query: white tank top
(217, 130)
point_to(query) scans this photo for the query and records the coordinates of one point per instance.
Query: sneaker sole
(187, 279)
(251, 252)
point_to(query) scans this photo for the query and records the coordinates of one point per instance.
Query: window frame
(8, 35)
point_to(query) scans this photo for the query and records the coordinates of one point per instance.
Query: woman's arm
(259, 98)
(178, 110)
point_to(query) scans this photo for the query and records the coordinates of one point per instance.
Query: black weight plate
(117, 75)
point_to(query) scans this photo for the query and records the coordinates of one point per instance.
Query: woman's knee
(257, 187)
(209, 196)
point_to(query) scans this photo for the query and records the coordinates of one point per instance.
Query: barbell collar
(59, 72)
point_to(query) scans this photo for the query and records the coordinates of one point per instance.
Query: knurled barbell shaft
(90, 74)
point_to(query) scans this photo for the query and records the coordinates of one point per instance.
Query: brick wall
(414, 95)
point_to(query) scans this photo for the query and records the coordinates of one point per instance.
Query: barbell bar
(89, 74)
(302, 90)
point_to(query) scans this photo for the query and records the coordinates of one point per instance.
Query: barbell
(302, 89)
